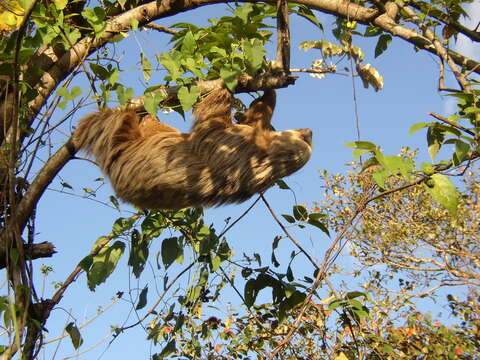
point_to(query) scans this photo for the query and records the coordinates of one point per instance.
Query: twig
(86, 322)
(160, 28)
(292, 239)
(451, 123)
(105, 338)
(239, 218)
(328, 70)
(152, 309)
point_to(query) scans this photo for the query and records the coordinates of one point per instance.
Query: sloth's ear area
(260, 112)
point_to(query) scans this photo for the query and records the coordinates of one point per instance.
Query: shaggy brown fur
(153, 165)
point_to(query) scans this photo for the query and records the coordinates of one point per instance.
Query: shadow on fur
(153, 165)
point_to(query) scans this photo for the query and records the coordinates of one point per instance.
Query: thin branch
(451, 123)
(284, 229)
(152, 309)
(86, 323)
(160, 28)
(100, 342)
(239, 218)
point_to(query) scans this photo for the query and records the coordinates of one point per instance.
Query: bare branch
(161, 28)
(456, 126)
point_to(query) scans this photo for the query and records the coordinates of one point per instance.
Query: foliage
(431, 246)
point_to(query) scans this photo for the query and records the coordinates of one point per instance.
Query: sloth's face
(291, 149)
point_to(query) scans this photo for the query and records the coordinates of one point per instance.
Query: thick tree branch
(282, 60)
(32, 252)
(473, 35)
(151, 11)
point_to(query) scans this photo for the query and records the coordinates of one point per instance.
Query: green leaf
(104, 263)
(189, 45)
(462, 149)
(115, 202)
(393, 164)
(358, 153)
(309, 15)
(138, 252)
(435, 138)
(243, 12)
(289, 218)
(372, 31)
(380, 177)
(124, 95)
(254, 53)
(367, 145)
(179, 323)
(169, 349)
(96, 18)
(444, 192)
(334, 304)
(100, 71)
(121, 225)
(318, 225)
(142, 299)
(60, 4)
(146, 67)
(113, 76)
(86, 263)
(355, 294)
(229, 76)
(193, 293)
(74, 334)
(152, 100)
(76, 91)
(289, 274)
(188, 97)
(382, 44)
(276, 240)
(250, 292)
(134, 23)
(171, 251)
(25, 55)
(66, 185)
(427, 168)
(215, 263)
(300, 212)
(417, 126)
(282, 185)
(172, 65)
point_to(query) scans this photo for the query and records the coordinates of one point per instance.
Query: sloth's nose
(306, 135)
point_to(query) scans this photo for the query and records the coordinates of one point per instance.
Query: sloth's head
(290, 150)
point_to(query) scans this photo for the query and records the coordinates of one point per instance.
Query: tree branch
(32, 251)
(151, 11)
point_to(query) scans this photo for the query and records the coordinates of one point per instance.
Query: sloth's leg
(150, 125)
(260, 112)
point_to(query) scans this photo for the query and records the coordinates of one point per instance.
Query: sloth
(154, 166)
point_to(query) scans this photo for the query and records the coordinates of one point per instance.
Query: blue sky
(326, 106)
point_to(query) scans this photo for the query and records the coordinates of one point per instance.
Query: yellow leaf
(60, 4)
(328, 300)
(341, 356)
(11, 15)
